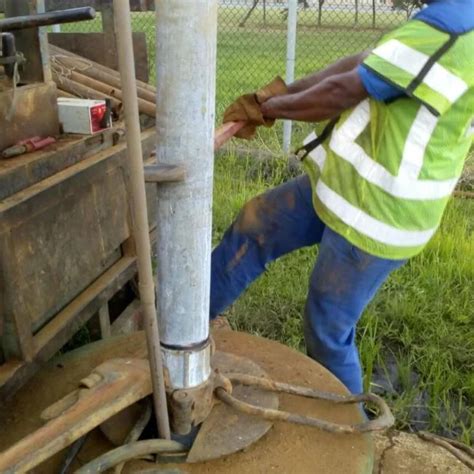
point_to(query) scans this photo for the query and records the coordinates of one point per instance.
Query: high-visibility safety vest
(384, 175)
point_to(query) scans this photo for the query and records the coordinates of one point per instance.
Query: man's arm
(325, 100)
(343, 65)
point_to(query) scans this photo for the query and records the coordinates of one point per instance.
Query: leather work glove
(247, 108)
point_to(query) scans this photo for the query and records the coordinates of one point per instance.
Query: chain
(383, 421)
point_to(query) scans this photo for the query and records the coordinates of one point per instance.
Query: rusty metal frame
(35, 348)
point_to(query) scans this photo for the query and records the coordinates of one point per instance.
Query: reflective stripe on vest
(406, 184)
(357, 218)
(412, 61)
(367, 225)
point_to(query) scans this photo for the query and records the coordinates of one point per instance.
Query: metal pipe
(86, 66)
(80, 90)
(145, 107)
(46, 19)
(290, 64)
(112, 81)
(140, 217)
(186, 46)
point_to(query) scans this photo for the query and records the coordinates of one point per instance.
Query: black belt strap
(302, 152)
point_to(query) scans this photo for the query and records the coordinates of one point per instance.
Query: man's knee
(255, 219)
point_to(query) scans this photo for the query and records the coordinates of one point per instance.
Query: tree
(406, 5)
(320, 11)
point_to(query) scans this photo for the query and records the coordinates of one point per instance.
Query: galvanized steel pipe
(186, 58)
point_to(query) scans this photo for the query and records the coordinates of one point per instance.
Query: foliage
(408, 6)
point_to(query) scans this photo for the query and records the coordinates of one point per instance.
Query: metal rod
(130, 451)
(186, 46)
(140, 217)
(290, 64)
(112, 81)
(84, 65)
(145, 107)
(80, 90)
(49, 18)
(71, 454)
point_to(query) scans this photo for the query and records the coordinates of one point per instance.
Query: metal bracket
(162, 173)
(10, 57)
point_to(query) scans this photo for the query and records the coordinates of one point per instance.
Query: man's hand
(325, 100)
(247, 108)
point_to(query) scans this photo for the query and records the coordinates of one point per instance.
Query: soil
(398, 452)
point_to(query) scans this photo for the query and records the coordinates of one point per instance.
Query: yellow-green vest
(383, 177)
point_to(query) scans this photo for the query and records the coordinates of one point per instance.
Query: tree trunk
(320, 11)
(373, 13)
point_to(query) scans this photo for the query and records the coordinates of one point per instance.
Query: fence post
(290, 64)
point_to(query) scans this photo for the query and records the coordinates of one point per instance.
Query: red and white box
(84, 116)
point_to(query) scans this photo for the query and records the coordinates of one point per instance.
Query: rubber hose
(130, 451)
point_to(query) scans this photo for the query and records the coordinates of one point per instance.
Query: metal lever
(9, 56)
(50, 18)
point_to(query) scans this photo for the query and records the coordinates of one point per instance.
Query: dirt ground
(398, 452)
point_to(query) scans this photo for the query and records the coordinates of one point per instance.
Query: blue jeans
(344, 279)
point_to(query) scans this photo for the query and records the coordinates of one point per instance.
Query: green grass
(424, 315)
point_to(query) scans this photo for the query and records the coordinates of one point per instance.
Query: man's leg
(343, 282)
(269, 226)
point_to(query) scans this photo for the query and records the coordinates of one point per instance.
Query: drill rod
(50, 18)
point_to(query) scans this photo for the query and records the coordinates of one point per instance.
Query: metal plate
(26, 112)
(225, 431)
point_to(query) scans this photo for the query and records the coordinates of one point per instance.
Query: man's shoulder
(451, 16)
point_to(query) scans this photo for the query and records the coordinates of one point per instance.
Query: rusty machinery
(27, 93)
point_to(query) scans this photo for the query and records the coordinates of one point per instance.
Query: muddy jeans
(344, 279)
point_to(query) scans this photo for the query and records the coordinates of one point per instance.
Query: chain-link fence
(252, 37)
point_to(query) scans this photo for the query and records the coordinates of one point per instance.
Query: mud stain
(250, 218)
(241, 252)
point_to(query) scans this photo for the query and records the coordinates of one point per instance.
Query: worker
(393, 131)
